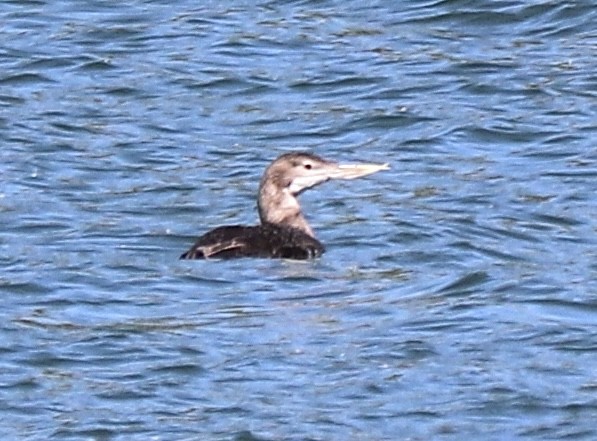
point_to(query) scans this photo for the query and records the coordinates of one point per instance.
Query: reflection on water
(456, 298)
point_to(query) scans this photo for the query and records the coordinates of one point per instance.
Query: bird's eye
(308, 166)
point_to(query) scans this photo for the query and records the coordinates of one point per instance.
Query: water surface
(457, 296)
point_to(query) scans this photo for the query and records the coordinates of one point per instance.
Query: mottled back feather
(267, 240)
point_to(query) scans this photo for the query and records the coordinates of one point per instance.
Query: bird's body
(266, 240)
(284, 232)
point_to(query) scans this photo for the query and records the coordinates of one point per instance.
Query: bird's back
(266, 240)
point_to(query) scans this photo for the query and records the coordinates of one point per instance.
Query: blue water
(457, 298)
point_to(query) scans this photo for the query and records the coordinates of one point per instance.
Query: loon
(283, 232)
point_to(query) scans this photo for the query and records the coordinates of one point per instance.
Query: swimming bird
(283, 232)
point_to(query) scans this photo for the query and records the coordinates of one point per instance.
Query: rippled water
(458, 296)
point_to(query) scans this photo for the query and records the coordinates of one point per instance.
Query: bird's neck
(280, 207)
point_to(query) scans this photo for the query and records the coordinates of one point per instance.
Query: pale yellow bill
(352, 171)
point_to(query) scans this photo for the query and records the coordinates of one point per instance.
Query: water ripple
(456, 296)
